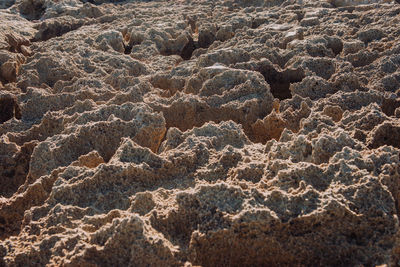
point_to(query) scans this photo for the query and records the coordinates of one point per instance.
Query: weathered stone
(199, 133)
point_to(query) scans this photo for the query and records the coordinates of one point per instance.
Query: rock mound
(199, 133)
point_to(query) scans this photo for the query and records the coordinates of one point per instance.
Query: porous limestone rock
(199, 133)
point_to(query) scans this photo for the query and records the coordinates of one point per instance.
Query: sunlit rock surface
(199, 133)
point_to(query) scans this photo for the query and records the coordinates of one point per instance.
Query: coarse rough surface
(199, 133)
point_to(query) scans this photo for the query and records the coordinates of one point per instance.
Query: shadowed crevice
(280, 81)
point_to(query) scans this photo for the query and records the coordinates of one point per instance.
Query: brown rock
(26, 51)
(16, 41)
(387, 133)
(335, 112)
(199, 133)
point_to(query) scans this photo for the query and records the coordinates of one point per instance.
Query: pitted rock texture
(199, 133)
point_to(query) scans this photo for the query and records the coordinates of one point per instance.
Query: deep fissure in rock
(280, 81)
(187, 51)
(9, 108)
(127, 49)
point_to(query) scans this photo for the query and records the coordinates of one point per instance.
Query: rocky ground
(199, 132)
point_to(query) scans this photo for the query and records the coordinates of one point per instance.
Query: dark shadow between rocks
(9, 108)
(336, 46)
(128, 49)
(385, 134)
(187, 51)
(389, 106)
(280, 81)
(54, 28)
(32, 9)
(14, 174)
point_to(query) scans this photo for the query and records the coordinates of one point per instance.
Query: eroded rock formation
(199, 132)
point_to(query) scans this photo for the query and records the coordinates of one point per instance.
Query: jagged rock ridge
(212, 133)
